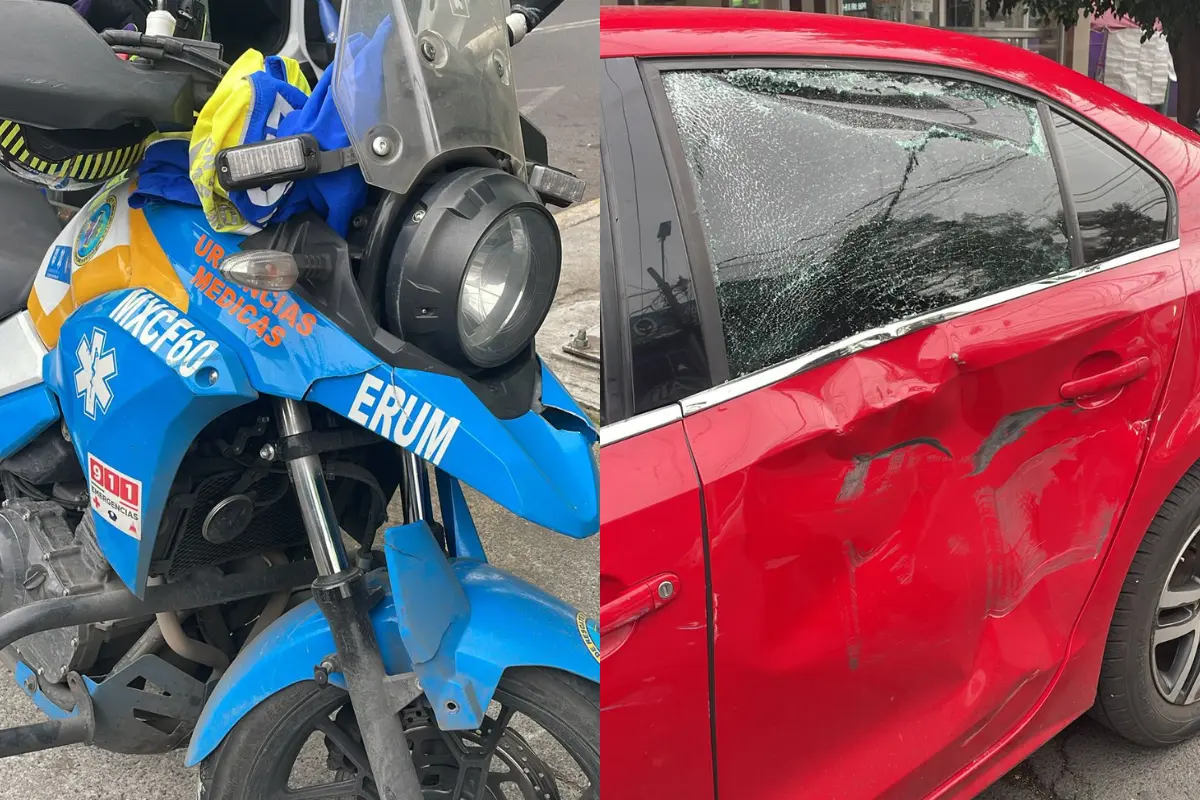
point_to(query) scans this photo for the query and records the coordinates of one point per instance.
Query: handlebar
(198, 55)
(202, 60)
(198, 59)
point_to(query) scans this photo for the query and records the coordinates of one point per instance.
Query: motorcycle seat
(30, 228)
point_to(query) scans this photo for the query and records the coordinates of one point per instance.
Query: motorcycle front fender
(510, 623)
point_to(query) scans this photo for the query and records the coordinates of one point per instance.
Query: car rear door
(655, 688)
(944, 362)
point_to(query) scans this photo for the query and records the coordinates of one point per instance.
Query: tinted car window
(1120, 207)
(658, 309)
(838, 201)
(669, 362)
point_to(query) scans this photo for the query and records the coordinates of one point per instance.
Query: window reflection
(666, 347)
(669, 362)
(1020, 28)
(1121, 208)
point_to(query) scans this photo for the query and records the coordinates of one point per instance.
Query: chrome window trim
(641, 423)
(867, 339)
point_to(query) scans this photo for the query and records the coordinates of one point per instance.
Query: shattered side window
(839, 201)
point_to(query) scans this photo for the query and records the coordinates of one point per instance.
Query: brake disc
(514, 764)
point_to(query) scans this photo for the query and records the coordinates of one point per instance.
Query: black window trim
(616, 356)
(1074, 236)
(721, 392)
(614, 369)
(687, 203)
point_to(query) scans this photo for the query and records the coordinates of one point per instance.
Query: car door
(948, 310)
(655, 689)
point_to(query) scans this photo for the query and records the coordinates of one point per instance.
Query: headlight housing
(474, 269)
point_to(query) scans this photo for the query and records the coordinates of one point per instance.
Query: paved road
(576, 306)
(1087, 762)
(558, 80)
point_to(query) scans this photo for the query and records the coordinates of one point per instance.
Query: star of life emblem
(96, 367)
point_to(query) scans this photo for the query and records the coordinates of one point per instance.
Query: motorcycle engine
(225, 505)
(41, 557)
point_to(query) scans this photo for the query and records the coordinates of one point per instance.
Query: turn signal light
(262, 269)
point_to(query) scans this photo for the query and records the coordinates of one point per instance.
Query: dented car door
(946, 348)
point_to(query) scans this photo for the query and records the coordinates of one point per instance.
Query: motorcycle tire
(248, 763)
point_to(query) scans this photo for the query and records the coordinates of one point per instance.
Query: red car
(902, 398)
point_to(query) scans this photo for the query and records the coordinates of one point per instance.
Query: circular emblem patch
(94, 229)
(589, 631)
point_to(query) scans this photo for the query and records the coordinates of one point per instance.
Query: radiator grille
(275, 526)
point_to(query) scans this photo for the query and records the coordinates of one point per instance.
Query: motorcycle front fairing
(139, 355)
(542, 473)
(538, 466)
(470, 621)
(137, 378)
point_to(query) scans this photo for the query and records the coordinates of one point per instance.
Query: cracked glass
(838, 201)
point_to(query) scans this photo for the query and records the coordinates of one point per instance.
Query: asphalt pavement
(557, 70)
(1089, 762)
(576, 308)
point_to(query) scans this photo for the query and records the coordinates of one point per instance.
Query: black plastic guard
(57, 73)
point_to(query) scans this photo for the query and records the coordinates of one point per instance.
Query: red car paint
(863, 643)
(654, 687)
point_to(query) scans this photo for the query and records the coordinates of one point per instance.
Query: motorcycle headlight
(474, 269)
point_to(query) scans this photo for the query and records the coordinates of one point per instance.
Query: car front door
(948, 311)
(654, 643)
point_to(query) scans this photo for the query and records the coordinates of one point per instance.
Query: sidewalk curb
(576, 306)
(570, 217)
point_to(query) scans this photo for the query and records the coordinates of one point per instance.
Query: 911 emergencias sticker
(116, 497)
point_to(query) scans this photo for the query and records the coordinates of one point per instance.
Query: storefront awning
(1111, 22)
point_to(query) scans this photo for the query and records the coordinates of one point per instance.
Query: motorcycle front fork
(340, 591)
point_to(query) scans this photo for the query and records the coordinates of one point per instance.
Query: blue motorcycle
(201, 432)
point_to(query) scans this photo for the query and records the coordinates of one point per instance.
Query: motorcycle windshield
(416, 80)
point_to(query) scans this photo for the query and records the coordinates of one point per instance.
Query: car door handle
(1106, 381)
(637, 601)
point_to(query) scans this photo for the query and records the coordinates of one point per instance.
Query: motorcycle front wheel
(540, 741)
